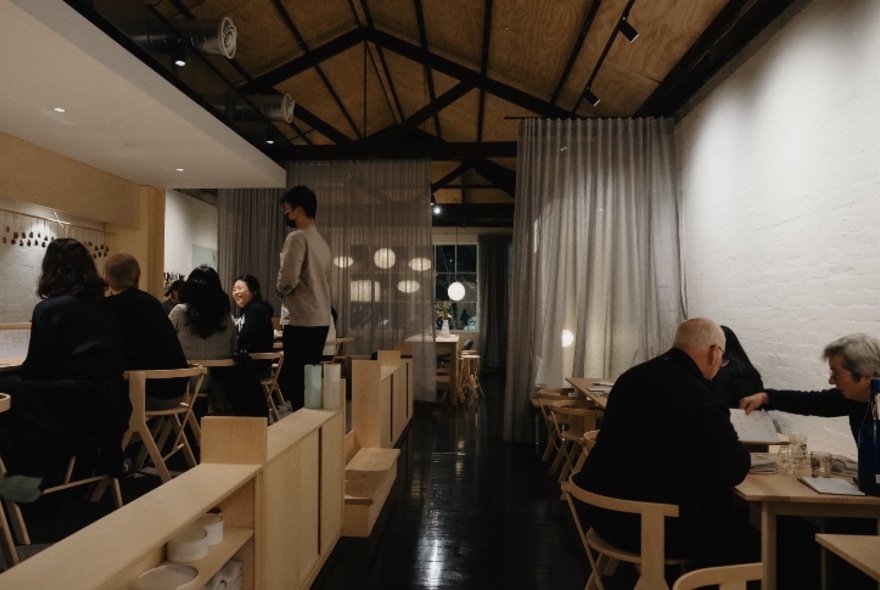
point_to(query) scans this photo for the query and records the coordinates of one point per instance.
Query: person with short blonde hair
(148, 338)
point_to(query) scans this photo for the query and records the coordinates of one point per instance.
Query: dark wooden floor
(467, 511)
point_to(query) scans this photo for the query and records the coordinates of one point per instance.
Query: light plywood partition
(280, 490)
(381, 399)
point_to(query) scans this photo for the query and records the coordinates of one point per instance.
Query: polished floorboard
(467, 511)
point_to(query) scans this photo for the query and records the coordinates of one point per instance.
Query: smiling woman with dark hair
(70, 399)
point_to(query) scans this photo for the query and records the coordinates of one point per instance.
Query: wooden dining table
(595, 389)
(9, 364)
(862, 551)
(781, 494)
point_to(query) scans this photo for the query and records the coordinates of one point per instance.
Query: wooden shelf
(113, 551)
(233, 540)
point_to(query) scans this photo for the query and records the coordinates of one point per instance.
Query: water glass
(820, 464)
(790, 457)
(799, 440)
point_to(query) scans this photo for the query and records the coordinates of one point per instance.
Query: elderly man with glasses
(853, 361)
(667, 437)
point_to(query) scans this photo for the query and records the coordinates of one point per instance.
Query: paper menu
(757, 427)
(14, 343)
(832, 485)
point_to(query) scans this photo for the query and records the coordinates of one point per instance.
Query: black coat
(149, 340)
(666, 437)
(828, 403)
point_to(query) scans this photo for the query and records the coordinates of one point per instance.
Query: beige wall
(133, 214)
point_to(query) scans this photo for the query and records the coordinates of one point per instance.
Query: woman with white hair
(853, 361)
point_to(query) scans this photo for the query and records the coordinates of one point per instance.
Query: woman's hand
(753, 402)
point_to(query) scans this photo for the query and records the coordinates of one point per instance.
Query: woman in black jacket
(253, 318)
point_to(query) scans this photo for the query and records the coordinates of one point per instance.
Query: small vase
(444, 329)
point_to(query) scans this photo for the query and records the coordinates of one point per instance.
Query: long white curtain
(376, 218)
(596, 254)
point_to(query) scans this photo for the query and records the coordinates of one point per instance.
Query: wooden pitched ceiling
(449, 80)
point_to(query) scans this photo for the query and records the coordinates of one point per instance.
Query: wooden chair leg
(10, 555)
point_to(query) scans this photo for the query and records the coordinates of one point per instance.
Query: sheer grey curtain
(251, 231)
(376, 218)
(494, 285)
(596, 254)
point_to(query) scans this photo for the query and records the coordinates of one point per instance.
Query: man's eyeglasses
(724, 359)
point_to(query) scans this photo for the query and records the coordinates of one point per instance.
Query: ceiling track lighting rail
(624, 27)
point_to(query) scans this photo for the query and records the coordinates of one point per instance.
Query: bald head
(121, 272)
(703, 341)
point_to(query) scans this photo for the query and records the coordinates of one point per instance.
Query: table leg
(768, 546)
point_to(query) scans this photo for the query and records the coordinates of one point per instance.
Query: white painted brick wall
(780, 179)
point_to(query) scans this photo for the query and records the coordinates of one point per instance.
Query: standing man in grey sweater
(304, 288)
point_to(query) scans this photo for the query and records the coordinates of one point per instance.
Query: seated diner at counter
(71, 398)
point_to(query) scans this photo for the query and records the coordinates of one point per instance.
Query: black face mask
(289, 222)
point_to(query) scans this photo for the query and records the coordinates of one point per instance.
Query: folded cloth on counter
(762, 463)
(844, 465)
(228, 578)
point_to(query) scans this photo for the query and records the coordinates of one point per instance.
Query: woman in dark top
(739, 378)
(70, 398)
(253, 318)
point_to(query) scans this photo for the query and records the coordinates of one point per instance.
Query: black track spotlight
(590, 97)
(628, 31)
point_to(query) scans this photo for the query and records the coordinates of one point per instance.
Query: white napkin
(762, 463)
(844, 465)
(228, 578)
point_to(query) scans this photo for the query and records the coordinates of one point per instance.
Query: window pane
(467, 258)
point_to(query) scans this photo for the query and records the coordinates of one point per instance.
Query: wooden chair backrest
(727, 577)
(653, 541)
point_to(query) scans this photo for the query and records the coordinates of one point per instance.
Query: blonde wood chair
(165, 423)
(7, 545)
(67, 482)
(726, 577)
(271, 389)
(542, 401)
(650, 561)
(572, 421)
(199, 393)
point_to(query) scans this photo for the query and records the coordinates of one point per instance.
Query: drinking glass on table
(790, 457)
(799, 440)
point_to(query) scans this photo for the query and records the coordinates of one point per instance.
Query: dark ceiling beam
(484, 65)
(474, 215)
(614, 31)
(450, 68)
(285, 16)
(497, 174)
(582, 36)
(399, 150)
(429, 76)
(423, 114)
(306, 61)
(391, 87)
(444, 182)
(736, 25)
(319, 125)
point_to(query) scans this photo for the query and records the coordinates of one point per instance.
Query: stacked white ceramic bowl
(188, 544)
(212, 522)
